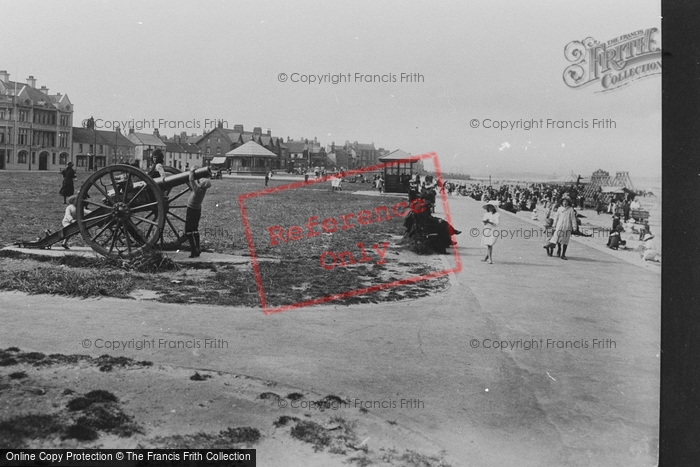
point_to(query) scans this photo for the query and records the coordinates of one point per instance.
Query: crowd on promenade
(558, 207)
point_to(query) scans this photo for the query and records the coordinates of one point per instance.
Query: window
(23, 115)
(65, 120)
(80, 147)
(22, 136)
(63, 158)
(63, 139)
(82, 161)
(33, 157)
(92, 149)
(218, 151)
(53, 158)
(101, 149)
(22, 157)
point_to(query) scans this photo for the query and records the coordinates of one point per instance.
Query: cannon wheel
(127, 211)
(174, 229)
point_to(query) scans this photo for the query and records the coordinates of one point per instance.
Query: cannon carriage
(122, 212)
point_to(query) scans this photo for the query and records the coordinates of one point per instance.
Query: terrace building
(93, 149)
(365, 155)
(35, 126)
(339, 156)
(182, 155)
(305, 153)
(144, 145)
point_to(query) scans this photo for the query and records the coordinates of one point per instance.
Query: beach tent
(568, 179)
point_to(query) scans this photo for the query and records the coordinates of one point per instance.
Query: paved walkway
(576, 383)
(177, 256)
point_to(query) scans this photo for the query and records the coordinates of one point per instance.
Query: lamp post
(116, 144)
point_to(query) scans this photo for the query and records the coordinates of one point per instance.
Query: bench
(639, 214)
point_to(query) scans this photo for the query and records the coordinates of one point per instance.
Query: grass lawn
(307, 268)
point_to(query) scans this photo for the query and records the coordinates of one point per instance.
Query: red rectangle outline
(374, 288)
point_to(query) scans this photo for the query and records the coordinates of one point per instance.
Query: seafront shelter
(251, 158)
(398, 171)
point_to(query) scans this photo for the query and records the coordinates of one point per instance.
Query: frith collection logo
(615, 63)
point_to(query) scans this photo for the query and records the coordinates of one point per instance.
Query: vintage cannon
(122, 212)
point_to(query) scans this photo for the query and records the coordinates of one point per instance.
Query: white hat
(493, 203)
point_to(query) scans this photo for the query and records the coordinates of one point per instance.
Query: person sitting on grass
(70, 216)
(194, 212)
(419, 217)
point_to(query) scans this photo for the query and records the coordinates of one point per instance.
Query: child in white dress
(490, 220)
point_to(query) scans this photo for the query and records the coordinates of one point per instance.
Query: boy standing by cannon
(194, 212)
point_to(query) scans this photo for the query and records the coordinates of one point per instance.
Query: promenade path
(594, 403)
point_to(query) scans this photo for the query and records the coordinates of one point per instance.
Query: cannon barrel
(170, 181)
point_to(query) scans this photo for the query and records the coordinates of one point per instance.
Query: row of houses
(219, 147)
(37, 132)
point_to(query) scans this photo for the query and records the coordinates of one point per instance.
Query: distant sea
(652, 184)
(647, 183)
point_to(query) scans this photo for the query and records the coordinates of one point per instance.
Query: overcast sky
(193, 61)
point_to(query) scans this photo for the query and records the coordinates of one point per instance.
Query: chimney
(31, 81)
(131, 130)
(220, 124)
(45, 90)
(269, 133)
(238, 128)
(257, 130)
(4, 76)
(156, 132)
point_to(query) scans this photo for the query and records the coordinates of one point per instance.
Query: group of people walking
(562, 224)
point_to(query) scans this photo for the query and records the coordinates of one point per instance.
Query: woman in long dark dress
(67, 188)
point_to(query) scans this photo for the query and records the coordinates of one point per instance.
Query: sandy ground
(166, 402)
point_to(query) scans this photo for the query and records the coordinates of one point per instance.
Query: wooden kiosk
(398, 171)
